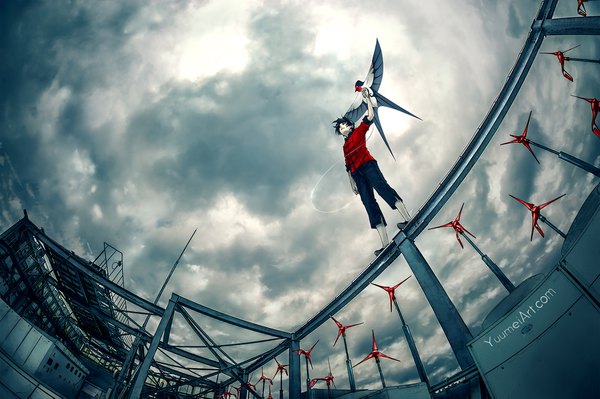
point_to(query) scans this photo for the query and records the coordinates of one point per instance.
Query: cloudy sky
(136, 123)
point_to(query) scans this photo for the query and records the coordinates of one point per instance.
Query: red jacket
(355, 147)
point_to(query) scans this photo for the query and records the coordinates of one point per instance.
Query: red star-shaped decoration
(458, 228)
(263, 377)
(375, 353)
(391, 290)
(522, 139)
(560, 55)
(535, 213)
(281, 368)
(342, 329)
(301, 352)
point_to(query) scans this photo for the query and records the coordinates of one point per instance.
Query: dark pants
(367, 178)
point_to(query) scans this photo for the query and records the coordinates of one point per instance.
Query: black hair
(339, 121)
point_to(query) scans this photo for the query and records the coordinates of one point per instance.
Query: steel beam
(142, 373)
(215, 314)
(492, 266)
(452, 324)
(569, 26)
(294, 388)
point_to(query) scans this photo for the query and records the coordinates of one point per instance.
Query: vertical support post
(412, 346)
(280, 384)
(145, 367)
(492, 266)
(380, 372)
(452, 324)
(307, 378)
(349, 366)
(244, 386)
(294, 381)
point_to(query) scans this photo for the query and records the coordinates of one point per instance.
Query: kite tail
(380, 129)
(381, 100)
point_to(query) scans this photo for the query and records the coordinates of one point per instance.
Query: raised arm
(367, 96)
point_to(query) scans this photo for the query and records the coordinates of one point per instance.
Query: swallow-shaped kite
(535, 213)
(561, 59)
(372, 83)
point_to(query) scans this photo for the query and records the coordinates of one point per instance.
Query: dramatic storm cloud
(135, 123)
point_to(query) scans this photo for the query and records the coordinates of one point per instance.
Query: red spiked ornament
(375, 353)
(391, 290)
(458, 228)
(522, 139)
(342, 329)
(535, 213)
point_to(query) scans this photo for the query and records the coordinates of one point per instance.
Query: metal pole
(452, 324)
(294, 381)
(307, 378)
(492, 266)
(145, 366)
(569, 158)
(281, 385)
(349, 366)
(582, 60)
(173, 268)
(380, 372)
(543, 219)
(413, 348)
(244, 386)
(579, 163)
